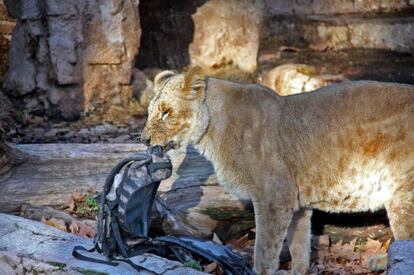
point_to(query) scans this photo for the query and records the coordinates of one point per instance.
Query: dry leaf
(79, 197)
(345, 251)
(82, 229)
(372, 246)
(57, 223)
(210, 267)
(373, 254)
(71, 204)
(241, 243)
(86, 230)
(74, 228)
(386, 244)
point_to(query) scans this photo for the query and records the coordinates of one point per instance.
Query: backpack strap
(154, 166)
(79, 256)
(111, 262)
(123, 247)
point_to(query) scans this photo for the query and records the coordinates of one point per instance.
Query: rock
(28, 9)
(305, 7)
(401, 257)
(143, 88)
(333, 32)
(38, 248)
(66, 102)
(226, 37)
(395, 34)
(6, 27)
(84, 132)
(64, 49)
(65, 37)
(103, 129)
(5, 267)
(291, 79)
(64, 8)
(113, 39)
(120, 139)
(7, 113)
(4, 59)
(20, 63)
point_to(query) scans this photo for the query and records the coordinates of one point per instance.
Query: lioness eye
(164, 114)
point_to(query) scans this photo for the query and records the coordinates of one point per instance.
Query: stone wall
(307, 7)
(69, 57)
(341, 24)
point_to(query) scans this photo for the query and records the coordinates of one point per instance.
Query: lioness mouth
(169, 146)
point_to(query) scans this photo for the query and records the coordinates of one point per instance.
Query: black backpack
(124, 219)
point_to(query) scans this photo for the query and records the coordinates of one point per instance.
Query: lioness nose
(145, 136)
(146, 139)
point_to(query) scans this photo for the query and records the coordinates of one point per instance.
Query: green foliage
(227, 214)
(92, 203)
(87, 208)
(90, 272)
(194, 265)
(60, 265)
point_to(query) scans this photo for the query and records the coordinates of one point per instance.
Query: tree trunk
(47, 174)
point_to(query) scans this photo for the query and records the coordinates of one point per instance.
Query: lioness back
(350, 146)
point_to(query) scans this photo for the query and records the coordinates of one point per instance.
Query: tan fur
(343, 148)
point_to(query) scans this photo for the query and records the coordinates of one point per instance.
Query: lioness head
(177, 114)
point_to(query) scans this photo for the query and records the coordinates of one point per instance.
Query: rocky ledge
(30, 247)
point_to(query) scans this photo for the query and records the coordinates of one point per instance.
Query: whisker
(136, 139)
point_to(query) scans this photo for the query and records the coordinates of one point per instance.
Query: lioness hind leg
(299, 241)
(400, 211)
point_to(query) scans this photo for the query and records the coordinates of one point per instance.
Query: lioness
(343, 148)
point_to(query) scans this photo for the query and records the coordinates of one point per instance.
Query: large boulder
(73, 56)
(30, 246)
(401, 258)
(226, 37)
(111, 48)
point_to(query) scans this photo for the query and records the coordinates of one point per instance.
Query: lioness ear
(194, 80)
(161, 78)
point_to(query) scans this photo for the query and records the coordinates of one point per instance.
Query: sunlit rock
(226, 37)
(292, 79)
(395, 34)
(335, 6)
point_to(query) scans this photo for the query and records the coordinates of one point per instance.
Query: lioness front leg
(272, 222)
(298, 238)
